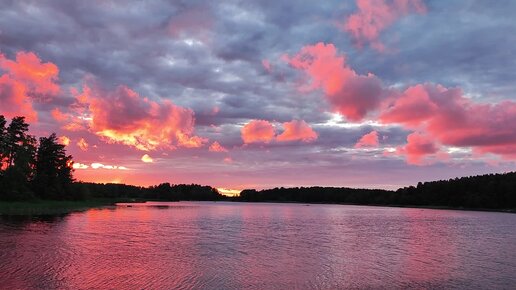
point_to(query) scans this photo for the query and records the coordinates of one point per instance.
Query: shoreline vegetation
(36, 177)
(63, 207)
(52, 207)
(491, 192)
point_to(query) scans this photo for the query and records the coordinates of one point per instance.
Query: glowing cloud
(258, 131)
(123, 116)
(147, 159)
(261, 131)
(368, 140)
(14, 101)
(216, 147)
(82, 144)
(64, 140)
(418, 147)
(449, 118)
(58, 115)
(97, 165)
(374, 16)
(297, 130)
(39, 77)
(441, 116)
(77, 165)
(350, 94)
(25, 80)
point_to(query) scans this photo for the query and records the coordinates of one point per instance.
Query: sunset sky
(259, 94)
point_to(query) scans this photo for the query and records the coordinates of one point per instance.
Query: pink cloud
(452, 119)
(58, 115)
(39, 77)
(368, 140)
(216, 147)
(82, 144)
(297, 130)
(418, 148)
(350, 94)
(267, 65)
(14, 100)
(442, 115)
(26, 80)
(64, 140)
(258, 131)
(374, 16)
(123, 116)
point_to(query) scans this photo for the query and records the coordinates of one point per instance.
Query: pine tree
(17, 154)
(16, 139)
(53, 169)
(3, 143)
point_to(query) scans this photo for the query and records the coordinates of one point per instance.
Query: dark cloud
(207, 57)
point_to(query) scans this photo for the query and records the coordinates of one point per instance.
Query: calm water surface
(207, 245)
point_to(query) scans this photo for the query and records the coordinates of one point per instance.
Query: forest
(490, 191)
(40, 169)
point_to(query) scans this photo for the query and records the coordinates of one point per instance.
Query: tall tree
(3, 143)
(16, 138)
(53, 169)
(17, 155)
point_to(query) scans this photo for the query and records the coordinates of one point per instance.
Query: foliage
(53, 170)
(164, 191)
(492, 191)
(17, 159)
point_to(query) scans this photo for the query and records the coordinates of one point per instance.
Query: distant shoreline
(513, 211)
(58, 207)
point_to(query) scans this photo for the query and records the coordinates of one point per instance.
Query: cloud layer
(444, 116)
(250, 94)
(349, 93)
(374, 16)
(26, 80)
(123, 116)
(261, 131)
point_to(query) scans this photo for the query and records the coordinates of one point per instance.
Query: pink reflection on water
(429, 242)
(260, 246)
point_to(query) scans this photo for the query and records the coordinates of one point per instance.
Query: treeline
(492, 191)
(40, 169)
(31, 168)
(317, 195)
(164, 191)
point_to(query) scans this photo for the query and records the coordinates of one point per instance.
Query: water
(207, 245)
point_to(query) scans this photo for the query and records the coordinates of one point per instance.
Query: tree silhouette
(3, 143)
(17, 139)
(53, 169)
(17, 155)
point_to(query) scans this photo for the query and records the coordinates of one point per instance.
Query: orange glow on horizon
(229, 192)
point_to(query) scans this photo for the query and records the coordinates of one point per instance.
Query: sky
(262, 94)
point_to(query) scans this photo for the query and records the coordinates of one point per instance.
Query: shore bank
(389, 205)
(53, 207)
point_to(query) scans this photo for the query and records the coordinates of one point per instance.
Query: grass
(52, 207)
